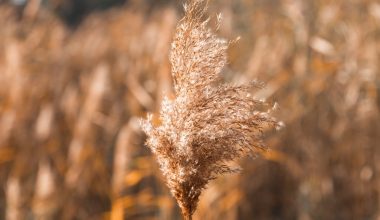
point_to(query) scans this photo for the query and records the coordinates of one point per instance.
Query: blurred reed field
(72, 94)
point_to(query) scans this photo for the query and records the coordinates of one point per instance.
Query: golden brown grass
(206, 125)
(70, 147)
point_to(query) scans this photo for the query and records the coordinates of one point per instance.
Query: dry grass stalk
(207, 125)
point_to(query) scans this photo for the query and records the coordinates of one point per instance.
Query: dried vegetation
(206, 126)
(70, 144)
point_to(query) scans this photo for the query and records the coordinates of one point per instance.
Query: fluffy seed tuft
(207, 125)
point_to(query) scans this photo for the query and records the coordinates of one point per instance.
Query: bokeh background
(76, 76)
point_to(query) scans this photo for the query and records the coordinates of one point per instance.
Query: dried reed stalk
(207, 125)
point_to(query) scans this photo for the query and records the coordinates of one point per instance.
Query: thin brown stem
(188, 217)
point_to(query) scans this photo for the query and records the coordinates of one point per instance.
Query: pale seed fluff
(208, 124)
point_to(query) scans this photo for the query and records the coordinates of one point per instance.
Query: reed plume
(208, 124)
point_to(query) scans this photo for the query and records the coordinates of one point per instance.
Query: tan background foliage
(71, 96)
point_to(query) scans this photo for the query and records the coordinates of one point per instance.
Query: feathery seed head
(206, 126)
